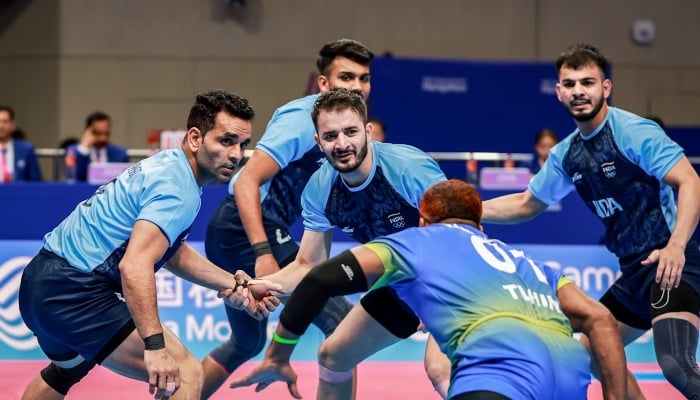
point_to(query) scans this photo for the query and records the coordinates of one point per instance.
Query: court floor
(377, 380)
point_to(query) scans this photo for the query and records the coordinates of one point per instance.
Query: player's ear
(323, 83)
(422, 223)
(193, 139)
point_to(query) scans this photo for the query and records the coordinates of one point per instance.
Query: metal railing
(56, 156)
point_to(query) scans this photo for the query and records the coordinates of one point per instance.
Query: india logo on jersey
(609, 169)
(13, 332)
(397, 220)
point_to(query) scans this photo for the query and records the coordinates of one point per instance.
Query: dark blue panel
(442, 105)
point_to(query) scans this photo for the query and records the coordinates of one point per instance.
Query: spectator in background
(94, 145)
(67, 142)
(544, 141)
(17, 159)
(379, 132)
(19, 134)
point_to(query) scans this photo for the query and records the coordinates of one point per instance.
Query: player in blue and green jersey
(504, 320)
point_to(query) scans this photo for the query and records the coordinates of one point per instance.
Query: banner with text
(197, 316)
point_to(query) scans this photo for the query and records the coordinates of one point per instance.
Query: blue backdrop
(443, 105)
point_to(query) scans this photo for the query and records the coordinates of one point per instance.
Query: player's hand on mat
(268, 372)
(163, 373)
(266, 265)
(671, 260)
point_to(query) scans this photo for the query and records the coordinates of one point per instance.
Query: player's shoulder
(323, 176)
(623, 119)
(168, 168)
(398, 154)
(305, 103)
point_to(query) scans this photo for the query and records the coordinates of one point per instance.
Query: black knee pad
(62, 379)
(384, 305)
(675, 342)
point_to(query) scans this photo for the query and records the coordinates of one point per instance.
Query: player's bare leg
(357, 337)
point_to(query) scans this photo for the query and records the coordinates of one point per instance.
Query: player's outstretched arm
(598, 324)
(189, 264)
(512, 208)
(349, 272)
(313, 250)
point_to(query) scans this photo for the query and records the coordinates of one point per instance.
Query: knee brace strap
(331, 376)
(62, 379)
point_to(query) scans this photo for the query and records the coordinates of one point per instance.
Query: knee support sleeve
(675, 342)
(331, 376)
(248, 337)
(62, 379)
(384, 305)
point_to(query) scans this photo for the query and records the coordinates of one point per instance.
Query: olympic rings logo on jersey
(13, 331)
(397, 220)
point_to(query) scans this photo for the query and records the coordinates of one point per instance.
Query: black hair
(9, 111)
(203, 113)
(348, 48)
(581, 54)
(95, 117)
(338, 99)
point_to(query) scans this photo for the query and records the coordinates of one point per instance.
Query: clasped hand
(258, 297)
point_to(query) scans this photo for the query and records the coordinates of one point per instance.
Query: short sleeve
(648, 146)
(288, 135)
(313, 202)
(171, 208)
(552, 183)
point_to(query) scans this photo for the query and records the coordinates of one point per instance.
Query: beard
(349, 167)
(585, 117)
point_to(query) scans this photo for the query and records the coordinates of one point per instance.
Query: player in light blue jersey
(89, 296)
(504, 320)
(625, 169)
(250, 229)
(367, 189)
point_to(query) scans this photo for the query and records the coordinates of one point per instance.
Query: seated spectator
(19, 134)
(379, 131)
(67, 142)
(544, 141)
(94, 145)
(17, 158)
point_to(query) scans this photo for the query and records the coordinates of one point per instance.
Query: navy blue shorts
(629, 298)
(72, 312)
(226, 243)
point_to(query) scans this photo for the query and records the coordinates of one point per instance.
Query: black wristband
(262, 248)
(154, 342)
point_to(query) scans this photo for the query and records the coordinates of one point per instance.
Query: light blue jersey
(160, 189)
(491, 309)
(289, 140)
(386, 202)
(618, 171)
